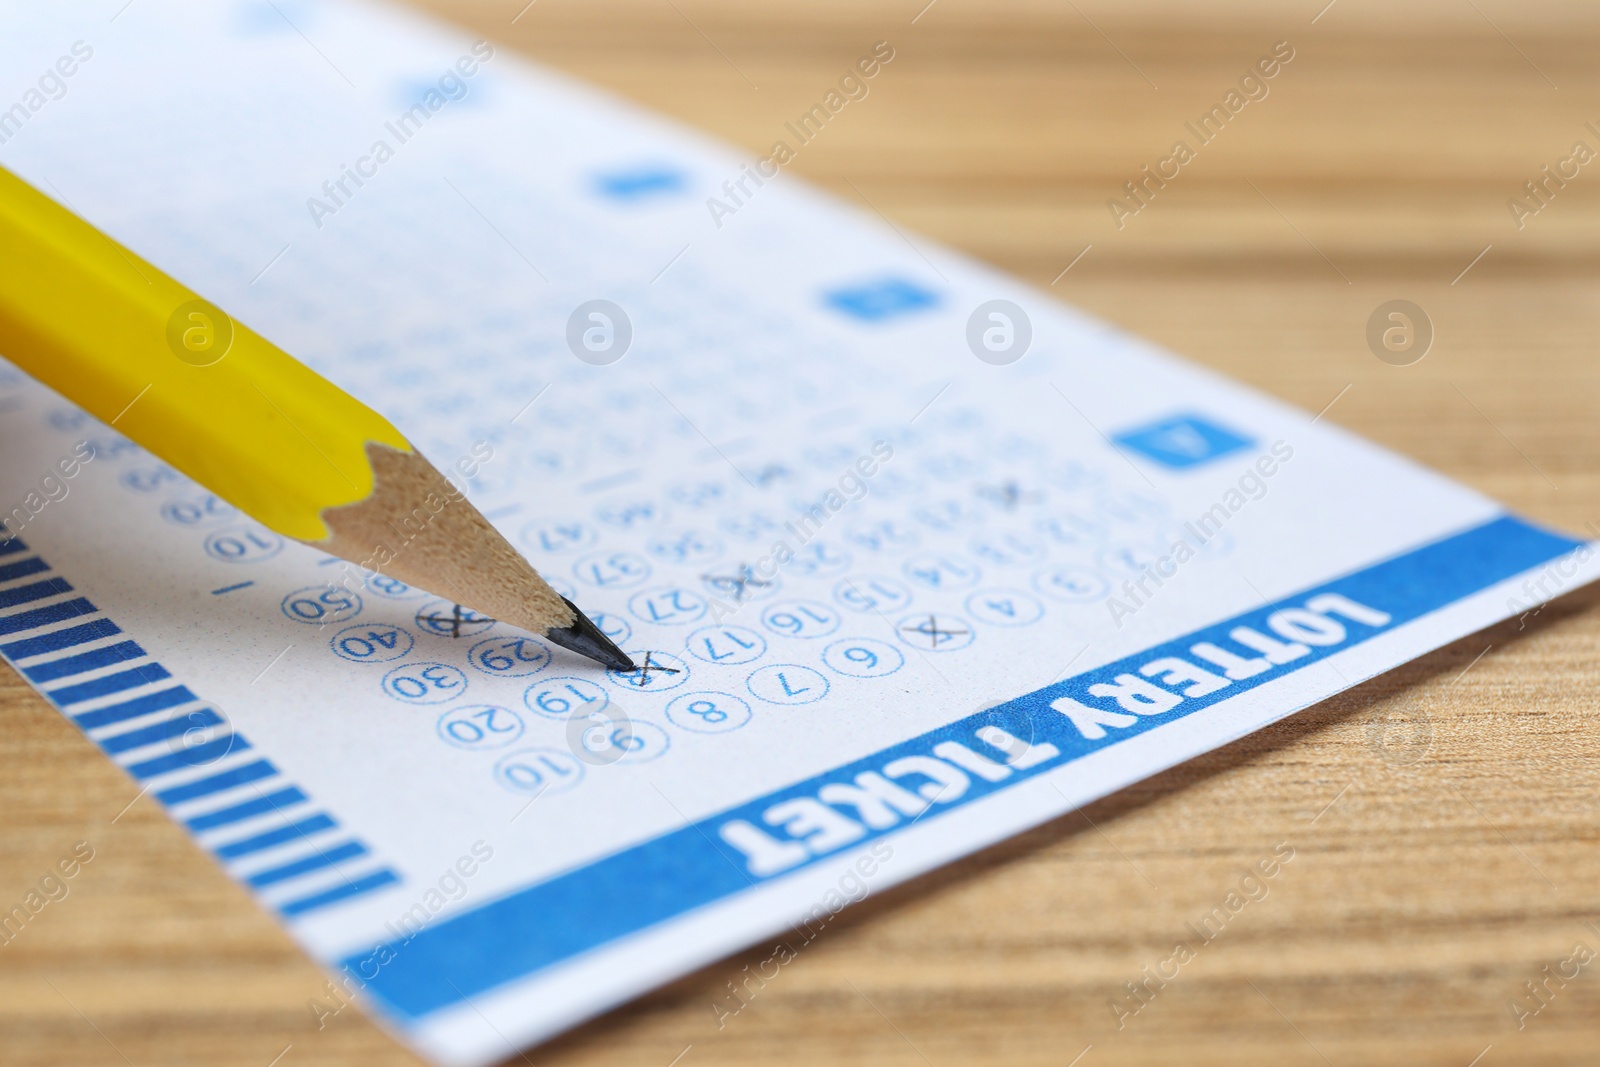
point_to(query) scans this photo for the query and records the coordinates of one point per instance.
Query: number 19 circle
(562, 698)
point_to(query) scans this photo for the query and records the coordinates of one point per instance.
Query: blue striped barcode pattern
(267, 832)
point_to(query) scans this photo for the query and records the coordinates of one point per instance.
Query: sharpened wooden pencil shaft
(420, 529)
(417, 527)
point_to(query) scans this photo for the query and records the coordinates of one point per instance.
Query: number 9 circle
(863, 657)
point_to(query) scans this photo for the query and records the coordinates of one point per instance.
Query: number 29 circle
(510, 657)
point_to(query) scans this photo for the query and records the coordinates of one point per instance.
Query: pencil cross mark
(935, 633)
(772, 472)
(738, 584)
(1008, 494)
(454, 620)
(650, 665)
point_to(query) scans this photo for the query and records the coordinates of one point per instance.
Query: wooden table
(1443, 818)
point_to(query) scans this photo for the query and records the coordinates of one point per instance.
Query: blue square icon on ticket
(1182, 441)
(884, 299)
(642, 182)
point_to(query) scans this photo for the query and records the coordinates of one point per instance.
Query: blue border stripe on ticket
(531, 929)
(164, 748)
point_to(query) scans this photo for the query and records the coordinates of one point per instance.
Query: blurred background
(1442, 819)
(1378, 166)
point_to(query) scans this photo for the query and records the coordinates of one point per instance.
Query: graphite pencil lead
(585, 638)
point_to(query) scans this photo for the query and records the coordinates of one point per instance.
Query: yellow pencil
(225, 406)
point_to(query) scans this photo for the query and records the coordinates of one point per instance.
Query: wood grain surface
(1443, 818)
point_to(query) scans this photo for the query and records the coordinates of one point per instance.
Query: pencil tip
(585, 638)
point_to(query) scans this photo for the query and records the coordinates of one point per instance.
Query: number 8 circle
(708, 713)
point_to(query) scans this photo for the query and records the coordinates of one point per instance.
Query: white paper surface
(906, 594)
